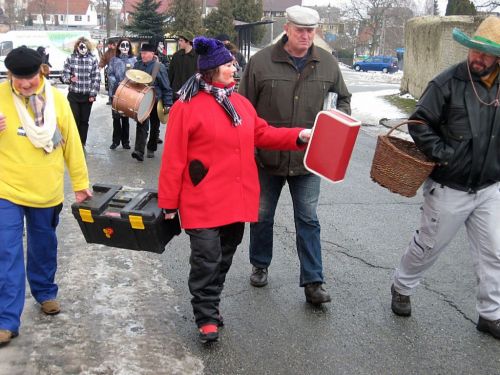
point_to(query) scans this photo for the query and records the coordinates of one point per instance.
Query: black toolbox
(125, 217)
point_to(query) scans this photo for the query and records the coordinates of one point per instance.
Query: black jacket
(182, 66)
(461, 134)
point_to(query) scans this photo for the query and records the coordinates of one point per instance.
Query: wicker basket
(398, 165)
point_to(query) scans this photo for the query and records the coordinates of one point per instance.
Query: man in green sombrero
(460, 113)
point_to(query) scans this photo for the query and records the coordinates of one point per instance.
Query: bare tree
(43, 6)
(372, 16)
(103, 8)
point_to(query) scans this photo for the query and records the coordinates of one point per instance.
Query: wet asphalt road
(127, 312)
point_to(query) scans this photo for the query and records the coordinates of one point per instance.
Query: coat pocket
(197, 171)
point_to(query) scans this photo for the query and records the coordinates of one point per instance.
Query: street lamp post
(67, 13)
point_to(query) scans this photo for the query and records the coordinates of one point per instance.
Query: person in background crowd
(103, 63)
(38, 136)
(81, 72)
(460, 130)
(208, 173)
(240, 59)
(287, 83)
(183, 63)
(163, 92)
(117, 67)
(42, 51)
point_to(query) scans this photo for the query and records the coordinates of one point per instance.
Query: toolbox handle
(136, 204)
(97, 204)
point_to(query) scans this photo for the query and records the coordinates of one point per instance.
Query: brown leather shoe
(489, 326)
(6, 336)
(316, 294)
(51, 307)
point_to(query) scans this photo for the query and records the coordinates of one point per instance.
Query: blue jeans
(41, 262)
(305, 194)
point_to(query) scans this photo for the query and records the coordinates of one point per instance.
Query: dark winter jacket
(286, 98)
(182, 66)
(461, 134)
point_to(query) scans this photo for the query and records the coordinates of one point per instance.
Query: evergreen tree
(249, 11)
(220, 21)
(146, 20)
(460, 7)
(185, 15)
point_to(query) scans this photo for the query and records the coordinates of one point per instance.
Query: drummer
(163, 91)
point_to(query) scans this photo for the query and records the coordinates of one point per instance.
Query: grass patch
(406, 105)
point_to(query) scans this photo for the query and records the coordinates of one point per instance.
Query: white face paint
(82, 49)
(124, 47)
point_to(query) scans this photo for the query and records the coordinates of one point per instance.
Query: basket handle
(405, 122)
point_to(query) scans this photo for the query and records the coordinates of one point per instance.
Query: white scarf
(39, 136)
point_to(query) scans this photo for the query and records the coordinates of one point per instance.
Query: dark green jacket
(286, 98)
(182, 66)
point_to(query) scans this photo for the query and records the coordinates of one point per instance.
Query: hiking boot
(489, 326)
(150, 154)
(6, 336)
(316, 294)
(113, 146)
(126, 146)
(258, 278)
(400, 304)
(51, 307)
(209, 333)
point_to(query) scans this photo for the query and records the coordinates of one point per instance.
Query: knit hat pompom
(211, 53)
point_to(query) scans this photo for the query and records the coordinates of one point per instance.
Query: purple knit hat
(211, 53)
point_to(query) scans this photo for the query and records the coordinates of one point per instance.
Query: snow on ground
(369, 107)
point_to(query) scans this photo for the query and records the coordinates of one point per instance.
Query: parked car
(386, 64)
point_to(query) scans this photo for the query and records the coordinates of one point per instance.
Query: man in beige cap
(461, 132)
(287, 83)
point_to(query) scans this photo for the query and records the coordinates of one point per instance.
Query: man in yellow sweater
(38, 136)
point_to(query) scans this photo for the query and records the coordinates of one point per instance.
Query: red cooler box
(124, 217)
(332, 140)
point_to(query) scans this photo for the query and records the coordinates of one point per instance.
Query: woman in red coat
(209, 175)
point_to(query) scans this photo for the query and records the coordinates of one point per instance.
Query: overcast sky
(442, 3)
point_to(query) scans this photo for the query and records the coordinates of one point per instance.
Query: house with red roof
(74, 13)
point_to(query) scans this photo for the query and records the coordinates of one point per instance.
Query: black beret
(222, 37)
(23, 62)
(148, 47)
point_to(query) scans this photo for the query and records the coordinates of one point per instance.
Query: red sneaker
(209, 332)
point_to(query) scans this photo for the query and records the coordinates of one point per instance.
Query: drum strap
(154, 73)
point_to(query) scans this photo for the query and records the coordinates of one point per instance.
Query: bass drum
(134, 100)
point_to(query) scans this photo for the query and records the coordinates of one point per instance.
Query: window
(88, 18)
(61, 17)
(78, 18)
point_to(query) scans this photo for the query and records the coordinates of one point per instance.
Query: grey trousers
(443, 212)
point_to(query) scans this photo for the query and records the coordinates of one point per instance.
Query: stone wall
(430, 48)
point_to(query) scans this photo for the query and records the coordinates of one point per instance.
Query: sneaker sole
(209, 338)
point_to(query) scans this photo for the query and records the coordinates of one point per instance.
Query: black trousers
(121, 129)
(81, 107)
(141, 133)
(212, 253)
